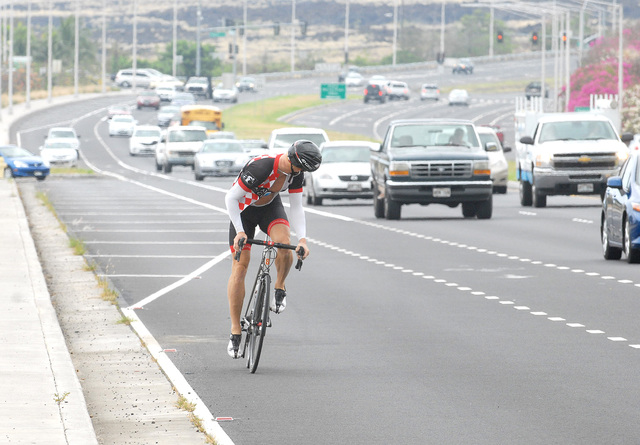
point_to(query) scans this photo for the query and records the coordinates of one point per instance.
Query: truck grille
(358, 178)
(442, 169)
(581, 161)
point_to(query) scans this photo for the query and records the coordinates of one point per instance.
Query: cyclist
(254, 200)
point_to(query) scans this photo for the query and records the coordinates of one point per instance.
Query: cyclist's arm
(298, 221)
(232, 200)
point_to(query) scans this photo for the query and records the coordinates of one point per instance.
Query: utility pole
(346, 35)
(244, 39)
(175, 38)
(198, 20)
(27, 99)
(293, 36)
(395, 30)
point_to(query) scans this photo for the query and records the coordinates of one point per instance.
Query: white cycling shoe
(279, 301)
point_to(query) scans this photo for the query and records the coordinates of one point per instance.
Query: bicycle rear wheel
(259, 322)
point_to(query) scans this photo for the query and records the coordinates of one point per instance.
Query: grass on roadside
(71, 171)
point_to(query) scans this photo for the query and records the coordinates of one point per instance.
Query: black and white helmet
(305, 155)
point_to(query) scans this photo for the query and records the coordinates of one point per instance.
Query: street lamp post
(395, 30)
(49, 52)
(175, 36)
(198, 20)
(76, 49)
(346, 35)
(27, 83)
(293, 36)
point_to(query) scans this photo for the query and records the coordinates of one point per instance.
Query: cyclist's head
(305, 155)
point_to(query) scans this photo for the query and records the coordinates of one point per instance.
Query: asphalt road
(430, 329)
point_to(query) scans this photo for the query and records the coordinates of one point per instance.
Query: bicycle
(256, 314)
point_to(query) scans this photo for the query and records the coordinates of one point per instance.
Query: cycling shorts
(264, 217)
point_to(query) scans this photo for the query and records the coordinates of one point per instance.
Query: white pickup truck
(567, 153)
(179, 146)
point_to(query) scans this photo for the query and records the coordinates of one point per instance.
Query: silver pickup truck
(432, 161)
(569, 153)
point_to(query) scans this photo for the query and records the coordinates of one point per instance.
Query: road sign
(333, 91)
(217, 34)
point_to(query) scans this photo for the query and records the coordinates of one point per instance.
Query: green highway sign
(217, 34)
(333, 91)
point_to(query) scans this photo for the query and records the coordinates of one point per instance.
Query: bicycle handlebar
(259, 242)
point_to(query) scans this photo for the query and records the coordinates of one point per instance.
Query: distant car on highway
(219, 157)
(148, 99)
(59, 152)
(458, 97)
(429, 91)
(247, 84)
(144, 140)
(353, 79)
(183, 98)
(533, 89)
(225, 94)
(282, 138)
(375, 91)
(463, 66)
(166, 92)
(397, 90)
(117, 109)
(620, 216)
(345, 172)
(22, 163)
(198, 86)
(64, 134)
(122, 125)
(497, 161)
(166, 114)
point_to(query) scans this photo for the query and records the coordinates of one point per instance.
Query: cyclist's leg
(235, 286)
(280, 233)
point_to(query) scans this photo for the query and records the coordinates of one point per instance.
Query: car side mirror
(626, 138)
(376, 147)
(614, 182)
(506, 149)
(78, 136)
(490, 147)
(527, 140)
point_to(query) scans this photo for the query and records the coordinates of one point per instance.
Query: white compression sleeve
(298, 221)
(232, 199)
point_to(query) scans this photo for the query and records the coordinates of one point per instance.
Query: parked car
(397, 90)
(122, 125)
(375, 91)
(144, 140)
(353, 79)
(620, 217)
(179, 147)
(225, 94)
(247, 84)
(431, 161)
(463, 66)
(533, 89)
(118, 109)
(22, 163)
(166, 113)
(497, 162)
(183, 98)
(219, 157)
(345, 172)
(58, 152)
(198, 86)
(64, 134)
(459, 97)
(148, 99)
(282, 138)
(125, 78)
(429, 91)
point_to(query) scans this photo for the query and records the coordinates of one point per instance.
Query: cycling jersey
(255, 181)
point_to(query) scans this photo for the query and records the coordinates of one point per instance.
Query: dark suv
(374, 91)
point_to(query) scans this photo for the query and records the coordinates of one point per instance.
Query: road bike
(256, 314)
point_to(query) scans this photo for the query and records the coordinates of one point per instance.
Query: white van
(179, 146)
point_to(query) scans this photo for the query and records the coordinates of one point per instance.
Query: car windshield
(125, 118)
(187, 136)
(57, 145)
(147, 133)
(435, 135)
(286, 140)
(62, 134)
(14, 152)
(222, 147)
(345, 154)
(576, 130)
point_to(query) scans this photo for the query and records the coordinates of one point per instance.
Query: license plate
(441, 192)
(37, 173)
(585, 188)
(354, 187)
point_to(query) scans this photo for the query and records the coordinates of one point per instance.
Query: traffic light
(241, 29)
(534, 38)
(229, 23)
(303, 28)
(276, 28)
(500, 37)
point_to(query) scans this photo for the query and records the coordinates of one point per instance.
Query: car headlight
(622, 155)
(543, 160)
(398, 169)
(481, 168)
(46, 163)
(20, 164)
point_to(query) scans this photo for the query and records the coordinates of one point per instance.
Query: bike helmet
(305, 155)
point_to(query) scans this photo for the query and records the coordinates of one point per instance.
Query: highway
(431, 329)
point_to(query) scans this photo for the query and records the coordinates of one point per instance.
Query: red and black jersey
(258, 176)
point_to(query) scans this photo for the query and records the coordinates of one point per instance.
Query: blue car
(620, 220)
(22, 163)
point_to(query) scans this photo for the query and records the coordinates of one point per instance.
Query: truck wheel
(633, 255)
(158, 166)
(610, 253)
(485, 209)
(525, 194)
(538, 198)
(392, 208)
(469, 209)
(378, 204)
(167, 167)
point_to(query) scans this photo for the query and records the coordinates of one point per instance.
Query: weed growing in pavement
(184, 404)
(108, 294)
(60, 398)
(190, 407)
(77, 245)
(90, 267)
(125, 320)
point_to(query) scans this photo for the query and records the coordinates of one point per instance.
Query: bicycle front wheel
(259, 322)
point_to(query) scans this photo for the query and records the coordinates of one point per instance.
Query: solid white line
(158, 242)
(150, 256)
(152, 231)
(182, 281)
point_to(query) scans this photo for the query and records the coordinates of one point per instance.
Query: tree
(208, 65)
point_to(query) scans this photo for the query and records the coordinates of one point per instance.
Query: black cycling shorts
(265, 217)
